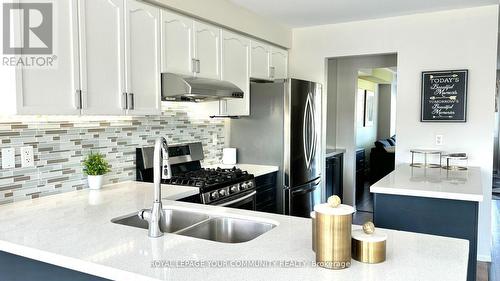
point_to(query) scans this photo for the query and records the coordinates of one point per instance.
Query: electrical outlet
(27, 157)
(8, 158)
(439, 140)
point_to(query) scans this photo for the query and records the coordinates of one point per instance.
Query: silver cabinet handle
(223, 107)
(124, 101)
(194, 65)
(272, 71)
(78, 99)
(131, 102)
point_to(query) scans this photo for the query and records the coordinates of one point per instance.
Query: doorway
(361, 110)
(375, 132)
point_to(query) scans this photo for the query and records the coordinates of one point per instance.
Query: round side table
(452, 159)
(425, 153)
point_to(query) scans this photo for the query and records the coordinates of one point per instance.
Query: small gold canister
(368, 245)
(333, 235)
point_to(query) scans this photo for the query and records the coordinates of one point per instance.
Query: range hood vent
(175, 87)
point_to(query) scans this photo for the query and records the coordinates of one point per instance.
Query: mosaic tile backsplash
(60, 146)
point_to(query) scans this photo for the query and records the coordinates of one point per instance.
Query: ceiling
(301, 13)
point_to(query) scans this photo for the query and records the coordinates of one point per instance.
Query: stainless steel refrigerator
(283, 129)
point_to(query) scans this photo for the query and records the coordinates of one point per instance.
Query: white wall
(384, 111)
(331, 105)
(227, 14)
(466, 38)
(394, 96)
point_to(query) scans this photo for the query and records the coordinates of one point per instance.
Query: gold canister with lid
(368, 245)
(333, 222)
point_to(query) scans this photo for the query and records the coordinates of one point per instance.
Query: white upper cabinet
(51, 90)
(236, 69)
(111, 53)
(279, 64)
(177, 43)
(142, 34)
(261, 60)
(102, 57)
(190, 47)
(207, 50)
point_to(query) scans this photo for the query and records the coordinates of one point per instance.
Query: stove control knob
(214, 195)
(234, 189)
(250, 184)
(222, 193)
(244, 185)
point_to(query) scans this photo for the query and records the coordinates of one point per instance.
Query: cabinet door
(260, 64)
(142, 47)
(177, 43)
(236, 69)
(53, 90)
(207, 41)
(279, 64)
(102, 56)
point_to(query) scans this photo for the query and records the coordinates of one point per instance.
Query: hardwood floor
(364, 206)
(486, 269)
(364, 202)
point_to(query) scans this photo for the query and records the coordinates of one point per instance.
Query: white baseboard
(485, 258)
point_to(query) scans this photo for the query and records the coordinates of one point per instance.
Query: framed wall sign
(444, 96)
(368, 108)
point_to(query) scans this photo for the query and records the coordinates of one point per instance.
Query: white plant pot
(95, 182)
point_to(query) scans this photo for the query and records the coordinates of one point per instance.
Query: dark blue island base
(444, 217)
(17, 268)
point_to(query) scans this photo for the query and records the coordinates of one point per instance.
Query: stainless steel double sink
(199, 225)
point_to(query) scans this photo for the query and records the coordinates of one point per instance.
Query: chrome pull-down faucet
(161, 169)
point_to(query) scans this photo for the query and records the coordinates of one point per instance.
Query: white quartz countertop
(256, 170)
(432, 182)
(334, 151)
(73, 230)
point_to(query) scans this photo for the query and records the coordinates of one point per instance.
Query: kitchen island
(432, 201)
(73, 231)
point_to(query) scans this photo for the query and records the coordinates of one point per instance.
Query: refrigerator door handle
(309, 131)
(311, 186)
(314, 130)
(305, 190)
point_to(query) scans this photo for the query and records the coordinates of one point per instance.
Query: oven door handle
(238, 200)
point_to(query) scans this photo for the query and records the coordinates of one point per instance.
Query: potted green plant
(95, 166)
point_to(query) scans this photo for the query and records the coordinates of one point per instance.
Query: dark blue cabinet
(17, 268)
(334, 176)
(444, 217)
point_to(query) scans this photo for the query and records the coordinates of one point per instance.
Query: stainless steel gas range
(221, 187)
